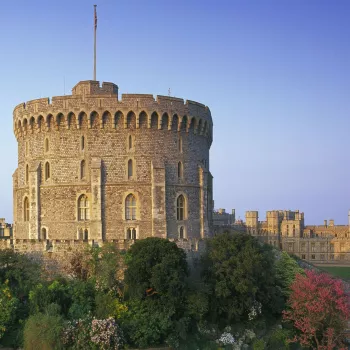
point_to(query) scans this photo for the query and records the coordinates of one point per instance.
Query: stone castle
(95, 168)
(285, 229)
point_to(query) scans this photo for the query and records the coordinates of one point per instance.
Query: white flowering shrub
(92, 333)
(226, 339)
(255, 311)
(106, 334)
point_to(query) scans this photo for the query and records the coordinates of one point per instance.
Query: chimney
(325, 223)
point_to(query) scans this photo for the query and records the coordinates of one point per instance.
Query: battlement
(100, 105)
(92, 87)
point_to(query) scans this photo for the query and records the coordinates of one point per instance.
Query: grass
(337, 271)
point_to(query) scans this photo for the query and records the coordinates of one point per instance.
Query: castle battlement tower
(93, 167)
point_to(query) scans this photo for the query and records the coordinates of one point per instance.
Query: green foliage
(156, 284)
(21, 272)
(44, 294)
(146, 324)
(109, 265)
(239, 272)
(156, 266)
(43, 332)
(278, 339)
(286, 270)
(8, 306)
(82, 294)
(259, 344)
(107, 305)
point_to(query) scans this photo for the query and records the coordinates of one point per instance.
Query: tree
(156, 286)
(156, 267)
(43, 331)
(21, 272)
(8, 307)
(319, 309)
(286, 270)
(239, 273)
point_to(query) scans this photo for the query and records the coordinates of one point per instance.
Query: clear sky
(275, 74)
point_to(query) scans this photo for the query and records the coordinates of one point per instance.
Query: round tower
(93, 167)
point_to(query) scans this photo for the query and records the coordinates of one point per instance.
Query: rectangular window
(313, 256)
(322, 257)
(303, 256)
(313, 248)
(331, 257)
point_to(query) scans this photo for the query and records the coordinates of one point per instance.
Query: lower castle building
(285, 229)
(5, 229)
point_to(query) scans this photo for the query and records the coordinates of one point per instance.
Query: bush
(92, 333)
(8, 307)
(43, 332)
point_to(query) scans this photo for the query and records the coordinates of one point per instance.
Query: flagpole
(95, 27)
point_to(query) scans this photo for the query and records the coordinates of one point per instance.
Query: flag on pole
(95, 17)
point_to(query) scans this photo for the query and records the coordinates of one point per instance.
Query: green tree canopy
(156, 283)
(156, 267)
(21, 272)
(240, 276)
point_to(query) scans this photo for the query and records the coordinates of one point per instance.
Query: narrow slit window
(130, 169)
(180, 170)
(27, 173)
(26, 209)
(47, 171)
(82, 169)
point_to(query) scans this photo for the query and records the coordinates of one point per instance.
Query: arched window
(180, 144)
(82, 169)
(26, 209)
(83, 208)
(182, 232)
(47, 145)
(130, 142)
(130, 169)
(86, 235)
(130, 207)
(180, 170)
(27, 173)
(82, 143)
(180, 206)
(80, 234)
(47, 170)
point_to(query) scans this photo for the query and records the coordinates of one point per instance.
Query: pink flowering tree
(319, 308)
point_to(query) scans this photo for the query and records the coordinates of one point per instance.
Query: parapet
(102, 108)
(92, 87)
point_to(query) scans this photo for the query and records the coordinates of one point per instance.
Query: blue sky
(274, 73)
